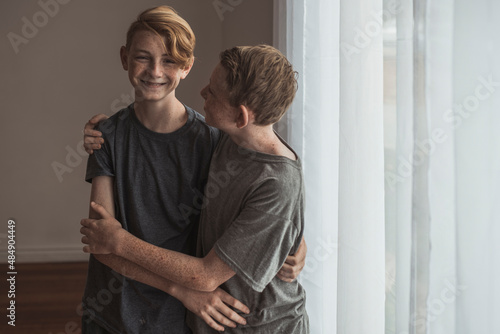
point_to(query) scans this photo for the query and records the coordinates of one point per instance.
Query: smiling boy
(155, 158)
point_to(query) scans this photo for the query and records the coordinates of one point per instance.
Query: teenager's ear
(245, 116)
(187, 69)
(124, 57)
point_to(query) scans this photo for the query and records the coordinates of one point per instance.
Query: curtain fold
(440, 145)
(476, 121)
(399, 178)
(361, 279)
(311, 127)
(438, 237)
(336, 126)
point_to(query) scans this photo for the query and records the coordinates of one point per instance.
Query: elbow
(211, 285)
(203, 281)
(204, 284)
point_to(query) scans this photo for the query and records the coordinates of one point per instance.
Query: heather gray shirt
(254, 218)
(158, 185)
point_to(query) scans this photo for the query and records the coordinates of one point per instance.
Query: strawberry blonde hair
(176, 34)
(261, 78)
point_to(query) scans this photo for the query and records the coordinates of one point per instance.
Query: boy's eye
(141, 58)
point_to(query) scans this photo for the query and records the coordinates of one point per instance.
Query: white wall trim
(40, 254)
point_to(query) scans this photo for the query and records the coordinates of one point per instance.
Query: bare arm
(293, 264)
(202, 274)
(212, 307)
(106, 236)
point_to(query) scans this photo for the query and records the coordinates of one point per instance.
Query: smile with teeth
(152, 84)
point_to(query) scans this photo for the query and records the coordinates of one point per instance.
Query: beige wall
(63, 74)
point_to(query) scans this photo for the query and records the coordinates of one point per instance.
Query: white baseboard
(70, 253)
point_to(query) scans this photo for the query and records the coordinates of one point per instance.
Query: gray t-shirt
(254, 218)
(158, 185)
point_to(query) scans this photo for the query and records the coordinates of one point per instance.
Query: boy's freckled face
(151, 71)
(218, 111)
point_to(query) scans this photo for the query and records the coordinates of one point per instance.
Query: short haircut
(261, 78)
(176, 34)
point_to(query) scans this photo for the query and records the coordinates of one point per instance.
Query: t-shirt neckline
(161, 136)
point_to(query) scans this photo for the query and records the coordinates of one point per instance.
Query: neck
(161, 116)
(261, 139)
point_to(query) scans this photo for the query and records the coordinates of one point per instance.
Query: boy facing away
(252, 217)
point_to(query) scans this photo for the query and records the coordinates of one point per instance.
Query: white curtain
(432, 75)
(440, 310)
(477, 164)
(447, 282)
(443, 176)
(336, 126)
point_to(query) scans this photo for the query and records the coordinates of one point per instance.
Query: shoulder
(200, 126)
(109, 126)
(283, 179)
(279, 187)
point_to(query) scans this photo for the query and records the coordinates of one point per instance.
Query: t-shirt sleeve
(100, 163)
(257, 243)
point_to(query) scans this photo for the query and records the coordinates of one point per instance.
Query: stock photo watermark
(32, 24)
(324, 249)
(74, 156)
(455, 116)
(372, 29)
(93, 305)
(11, 272)
(217, 182)
(437, 306)
(223, 6)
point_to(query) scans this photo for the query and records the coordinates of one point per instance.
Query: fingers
(302, 251)
(92, 142)
(85, 240)
(287, 270)
(92, 139)
(212, 323)
(85, 223)
(89, 131)
(94, 120)
(228, 316)
(289, 273)
(220, 315)
(217, 313)
(97, 118)
(294, 264)
(291, 260)
(233, 302)
(100, 210)
(284, 278)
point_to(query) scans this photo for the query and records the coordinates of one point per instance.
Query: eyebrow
(145, 51)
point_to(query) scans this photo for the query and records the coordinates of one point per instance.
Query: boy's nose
(156, 69)
(203, 92)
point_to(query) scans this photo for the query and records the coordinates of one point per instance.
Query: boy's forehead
(144, 39)
(218, 79)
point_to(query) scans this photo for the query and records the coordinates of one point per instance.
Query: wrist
(119, 242)
(175, 290)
